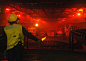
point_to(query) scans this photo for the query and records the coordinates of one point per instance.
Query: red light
(73, 15)
(59, 32)
(80, 9)
(7, 9)
(36, 24)
(18, 15)
(79, 14)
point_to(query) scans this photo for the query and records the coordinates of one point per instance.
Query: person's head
(13, 18)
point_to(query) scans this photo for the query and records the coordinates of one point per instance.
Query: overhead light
(80, 9)
(7, 9)
(36, 24)
(79, 14)
(18, 15)
(73, 15)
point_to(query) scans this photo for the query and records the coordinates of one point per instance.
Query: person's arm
(29, 35)
(4, 40)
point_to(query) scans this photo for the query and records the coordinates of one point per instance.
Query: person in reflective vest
(13, 38)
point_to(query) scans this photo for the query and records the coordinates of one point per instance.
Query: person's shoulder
(6, 26)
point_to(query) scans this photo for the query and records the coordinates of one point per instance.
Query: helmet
(12, 18)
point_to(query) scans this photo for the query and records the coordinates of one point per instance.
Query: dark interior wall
(2, 16)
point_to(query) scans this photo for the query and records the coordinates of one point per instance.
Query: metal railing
(79, 35)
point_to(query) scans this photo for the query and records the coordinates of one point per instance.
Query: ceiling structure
(47, 9)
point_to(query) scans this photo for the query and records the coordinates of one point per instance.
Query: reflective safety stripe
(11, 27)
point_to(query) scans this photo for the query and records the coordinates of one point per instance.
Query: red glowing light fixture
(80, 9)
(59, 32)
(36, 24)
(79, 14)
(18, 15)
(7, 9)
(73, 15)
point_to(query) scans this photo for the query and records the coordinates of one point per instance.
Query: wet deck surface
(51, 55)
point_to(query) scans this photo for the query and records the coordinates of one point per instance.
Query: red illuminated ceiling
(48, 9)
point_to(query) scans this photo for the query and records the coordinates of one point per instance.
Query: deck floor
(51, 55)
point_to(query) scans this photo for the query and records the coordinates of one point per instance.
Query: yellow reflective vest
(14, 34)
